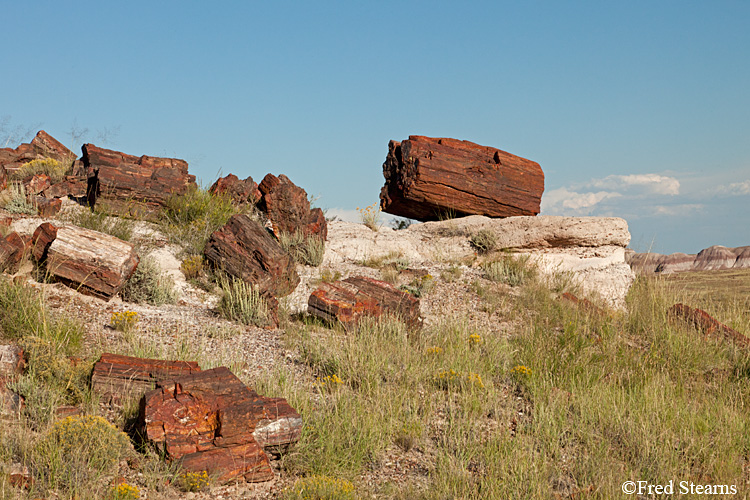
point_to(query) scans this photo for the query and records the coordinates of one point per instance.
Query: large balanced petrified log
(244, 249)
(348, 300)
(287, 207)
(707, 324)
(430, 179)
(89, 261)
(116, 377)
(133, 184)
(213, 422)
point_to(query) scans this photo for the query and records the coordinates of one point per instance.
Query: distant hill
(709, 259)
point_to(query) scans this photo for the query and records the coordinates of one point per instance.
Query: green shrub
(17, 203)
(193, 481)
(189, 219)
(483, 241)
(192, 266)
(420, 286)
(307, 250)
(98, 220)
(149, 285)
(242, 302)
(49, 166)
(370, 216)
(509, 270)
(78, 451)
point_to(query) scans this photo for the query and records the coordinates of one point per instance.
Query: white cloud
(563, 201)
(645, 183)
(680, 210)
(735, 189)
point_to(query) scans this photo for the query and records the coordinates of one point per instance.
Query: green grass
(307, 250)
(99, 220)
(149, 285)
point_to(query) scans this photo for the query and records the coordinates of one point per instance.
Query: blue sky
(633, 109)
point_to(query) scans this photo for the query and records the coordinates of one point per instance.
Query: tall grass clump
(16, 203)
(510, 270)
(242, 302)
(305, 249)
(98, 220)
(149, 285)
(190, 218)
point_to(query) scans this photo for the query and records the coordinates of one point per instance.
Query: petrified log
(240, 191)
(36, 184)
(12, 250)
(42, 146)
(213, 422)
(244, 249)
(131, 184)
(117, 377)
(705, 323)
(91, 262)
(3, 178)
(429, 179)
(348, 300)
(287, 207)
(72, 186)
(46, 207)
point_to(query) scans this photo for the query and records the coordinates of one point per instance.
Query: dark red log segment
(12, 250)
(42, 146)
(240, 191)
(116, 378)
(427, 178)
(131, 183)
(287, 207)
(705, 323)
(348, 300)
(213, 422)
(244, 249)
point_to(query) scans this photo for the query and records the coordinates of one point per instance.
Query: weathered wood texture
(116, 378)
(244, 249)
(245, 191)
(287, 207)
(46, 207)
(212, 421)
(348, 300)
(706, 324)
(12, 361)
(42, 146)
(91, 262)
(429, 179)
(3, 178)
(71, 186)
(132, 184)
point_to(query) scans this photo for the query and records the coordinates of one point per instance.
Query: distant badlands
(712, 258)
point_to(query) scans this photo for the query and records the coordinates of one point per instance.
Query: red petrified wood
(42, 146)
(240, 191)
(12, 249)
(427, 179)
(131, 183)
(287, 207)
(117, 377)
(348, 300)
(707, 324)
(212, 422)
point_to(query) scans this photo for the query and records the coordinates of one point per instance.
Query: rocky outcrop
(245, 191)
(42, 146)
(429, 179)
(129, 184)
(244, 249)
(590, 249)
(287, 207)
(89, 261)
(212, 422)
(712, 258)
(116, 378)
(706, 324)
(349, 300)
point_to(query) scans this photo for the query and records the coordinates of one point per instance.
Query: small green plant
(329, 383)
(97, 219)
(125, 491)
(484, 241)
(17, 202)
(509, 270)
(242, 302)
(124, 321)
(308, 250)
(521, 370)
(370, 216)
(394, 260)
(149, 285)
(451, 274)
(329, 275)
(320, 488)
(78, 449)
(399, 224)
(48, 166)
(193, 481)
(420, 286)
(192, 266)
(452, 379)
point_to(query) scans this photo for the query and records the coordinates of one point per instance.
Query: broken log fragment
(431, 179)
(89, 261)
(706, 324)
(116, 378)
(287, 207)
(213, 422)
(349, 300)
